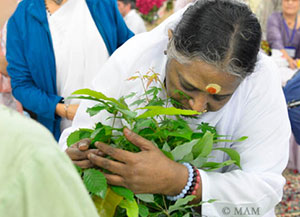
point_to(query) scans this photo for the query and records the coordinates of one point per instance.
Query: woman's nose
(199, 103)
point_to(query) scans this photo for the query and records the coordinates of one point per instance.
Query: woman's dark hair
(224, 33)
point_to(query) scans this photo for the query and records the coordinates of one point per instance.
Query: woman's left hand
(148, 171)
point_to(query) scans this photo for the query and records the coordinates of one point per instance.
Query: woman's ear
(170, 34)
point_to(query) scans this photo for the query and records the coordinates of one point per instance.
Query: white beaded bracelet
(188, 184)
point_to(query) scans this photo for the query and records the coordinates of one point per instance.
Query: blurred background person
(283, 32)
(55, 47)
(263, 10)
(37, 179)
(6, 97)
(131, 17)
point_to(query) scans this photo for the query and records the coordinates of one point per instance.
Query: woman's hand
(71, 111)
(292, 63)
(148, 171)
(66, 110)
(78, 153)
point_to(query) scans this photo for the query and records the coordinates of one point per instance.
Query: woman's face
(290, 7)
(188, 84)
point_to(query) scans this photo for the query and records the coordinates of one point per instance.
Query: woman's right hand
(292, 63)
(79, 151)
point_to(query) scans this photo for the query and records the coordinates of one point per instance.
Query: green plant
(159, 123)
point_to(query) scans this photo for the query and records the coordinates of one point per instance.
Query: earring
(165, 52)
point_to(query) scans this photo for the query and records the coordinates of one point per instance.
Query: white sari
(79, 49)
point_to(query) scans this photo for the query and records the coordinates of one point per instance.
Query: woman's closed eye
(220, 97)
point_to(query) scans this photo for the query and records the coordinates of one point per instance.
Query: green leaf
(243, 138)
(168, 154)
(130, 95)
(96, 109)
(78, 135)
(159, 110)
(204, 127)
(186, 215)
(233, 154)
(180, 151)
(97, 95)
(188, 158)
(84, 97)
(131, 207)
(143, 210)
(204, 147)
(199, 161)
(181, 202)
(124, 192)
(95, 182)
(149, 198)
(106, 207)
(166, 147)
(138, 102)
(210, 166)
(144, 123)
(128, 113)
(184, 133)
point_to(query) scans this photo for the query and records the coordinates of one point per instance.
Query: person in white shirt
(212, 42)
(131, 17)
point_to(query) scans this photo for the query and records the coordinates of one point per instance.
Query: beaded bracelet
(196, 182)
(188, 185)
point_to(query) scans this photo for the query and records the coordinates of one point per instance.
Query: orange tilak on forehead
(213, 88)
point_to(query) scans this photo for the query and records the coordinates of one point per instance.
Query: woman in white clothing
(213, 42)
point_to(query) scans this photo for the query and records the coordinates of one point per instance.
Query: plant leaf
(243, 138)
(97, 95)
(124, 192)
(181, 202)
(143, 210)
(199, 161)
(106, 207)
(188, 158)
(168, 154)
(166, 147)
(159, 110)
(132, 209)
(78, 135)
(180, 151)
(233, 154)
(149, 198)
(204, 147)
(96, 109)
(210, 166)
(95, 182)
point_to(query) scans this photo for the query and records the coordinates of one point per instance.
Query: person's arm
(24, 88)
(3, 65)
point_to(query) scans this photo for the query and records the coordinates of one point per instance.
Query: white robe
(257, 109)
